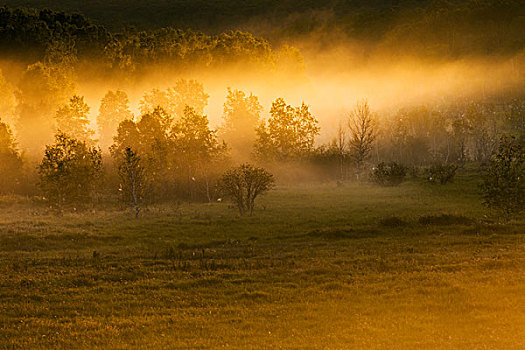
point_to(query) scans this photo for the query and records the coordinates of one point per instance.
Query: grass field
(317, 266)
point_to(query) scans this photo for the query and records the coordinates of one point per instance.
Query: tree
(244, 184)
(461, 128)
(175, 99)
(42, 89)
(133, 181)
(11, 164)
(197, 150)
(7, 100)
(289, 133)
(362, 134)
(114, 108)
(241, 116)
(154, 99)
(503, 186)
(69, 171)
(150, 138)
(72, 119)
(339, 144)
(187, 93)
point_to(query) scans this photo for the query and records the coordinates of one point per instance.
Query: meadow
(317, 266)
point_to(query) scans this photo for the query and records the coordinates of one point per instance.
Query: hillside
(436, 27)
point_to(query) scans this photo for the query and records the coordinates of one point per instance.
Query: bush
(442, 173)
(391, 174)
(243, 184)
(503, 187)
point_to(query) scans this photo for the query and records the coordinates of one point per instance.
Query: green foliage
(244, 184)
(503, 185)
(69, 172)
(441, 173)
(133, 180)
(391, 174)
(288, 134)
(11, 164)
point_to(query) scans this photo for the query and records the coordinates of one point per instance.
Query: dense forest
(435, 27)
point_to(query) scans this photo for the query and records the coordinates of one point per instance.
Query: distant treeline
(433, 27)
(31, 35)
(172, 146)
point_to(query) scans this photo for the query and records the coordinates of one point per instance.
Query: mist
(333, 81)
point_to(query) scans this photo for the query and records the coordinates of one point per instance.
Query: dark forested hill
(220, 15)
(437, 27)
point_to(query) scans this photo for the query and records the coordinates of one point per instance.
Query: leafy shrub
(442, 173)
(243, 184)
(391, 174)
(503, 187)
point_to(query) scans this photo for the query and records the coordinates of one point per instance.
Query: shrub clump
(442, 173)
(391, 174)
(503, 187)
(243, 184)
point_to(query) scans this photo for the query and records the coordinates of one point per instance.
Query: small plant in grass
(393, 221)
(503, 186)
(391, 174)
(442, 173)
(244, 184)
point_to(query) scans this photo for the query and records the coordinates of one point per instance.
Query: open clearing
(317, 266)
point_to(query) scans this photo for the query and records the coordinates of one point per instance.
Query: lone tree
(133, 182)
(503, 186)
(244, 183)
(69, 171)
(362, 134)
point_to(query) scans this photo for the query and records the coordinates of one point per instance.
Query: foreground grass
(316, 267)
